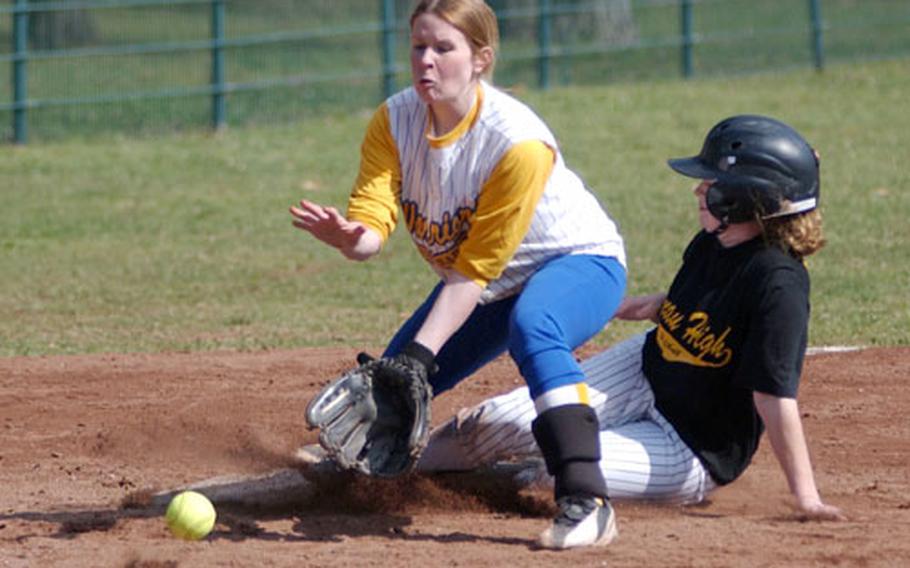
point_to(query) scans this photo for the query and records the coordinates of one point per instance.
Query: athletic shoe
(582, 521)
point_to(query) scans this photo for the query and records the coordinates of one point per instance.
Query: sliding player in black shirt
(682, 407)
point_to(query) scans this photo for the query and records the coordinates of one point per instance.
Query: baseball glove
(375, 418)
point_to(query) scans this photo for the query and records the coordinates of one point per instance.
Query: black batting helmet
(760, 165)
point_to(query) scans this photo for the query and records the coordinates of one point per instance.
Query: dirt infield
(85, 441)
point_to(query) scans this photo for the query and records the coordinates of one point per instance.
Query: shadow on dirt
(324, 504)
(70, 524)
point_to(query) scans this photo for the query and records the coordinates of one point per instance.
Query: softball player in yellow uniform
(528, 260)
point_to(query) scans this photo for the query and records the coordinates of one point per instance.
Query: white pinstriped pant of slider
(642, 456)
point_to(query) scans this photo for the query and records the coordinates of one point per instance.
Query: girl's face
(444, 69)
(734, 233)
(709, 222)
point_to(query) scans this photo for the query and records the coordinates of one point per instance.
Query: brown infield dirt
(85, 441)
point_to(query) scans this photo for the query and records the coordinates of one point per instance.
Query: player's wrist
(808, 500)
(422, 355)
(361, 243)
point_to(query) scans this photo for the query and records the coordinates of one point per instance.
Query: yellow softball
(190, 516)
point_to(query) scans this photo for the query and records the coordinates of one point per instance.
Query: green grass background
(183, 242)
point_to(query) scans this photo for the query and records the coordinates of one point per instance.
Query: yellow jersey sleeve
(505, 209)
(374, 199)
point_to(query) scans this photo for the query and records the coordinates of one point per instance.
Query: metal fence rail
(164, 64)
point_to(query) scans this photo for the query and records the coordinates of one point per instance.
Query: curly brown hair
(799, 235)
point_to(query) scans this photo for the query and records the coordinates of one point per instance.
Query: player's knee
(568, 437)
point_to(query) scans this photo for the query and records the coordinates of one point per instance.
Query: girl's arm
(785, 432)
(454, 304)
(637, 308)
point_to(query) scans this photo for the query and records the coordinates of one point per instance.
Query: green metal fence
(84, 67)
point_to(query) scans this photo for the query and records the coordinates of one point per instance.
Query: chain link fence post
(20, 71)
(387, 16)
(544, 28)
(818, 47)
(685, 19)
(219, 106)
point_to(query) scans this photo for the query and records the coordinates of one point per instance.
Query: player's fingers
(335, 216)
(306, 226)
(303, 216)
(823, 512)
(827, 516)
(314, 209)
(834, 514)
(629, 309)
(297, 212)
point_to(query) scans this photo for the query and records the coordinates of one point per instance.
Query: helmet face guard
(759, 166)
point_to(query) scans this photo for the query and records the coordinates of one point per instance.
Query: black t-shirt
(735, 321)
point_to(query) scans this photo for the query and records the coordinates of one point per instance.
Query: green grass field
(184, 242)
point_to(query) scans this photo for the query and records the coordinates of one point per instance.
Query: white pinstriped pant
(642, 456)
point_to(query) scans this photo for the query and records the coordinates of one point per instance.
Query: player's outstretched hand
(329, 226)
(818, 511)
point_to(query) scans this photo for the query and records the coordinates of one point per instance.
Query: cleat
(582, 521)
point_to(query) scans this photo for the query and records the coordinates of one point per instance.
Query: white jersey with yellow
(492, 200)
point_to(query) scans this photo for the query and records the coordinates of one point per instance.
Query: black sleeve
(777, 333)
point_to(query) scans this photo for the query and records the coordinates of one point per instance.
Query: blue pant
(565, 303)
